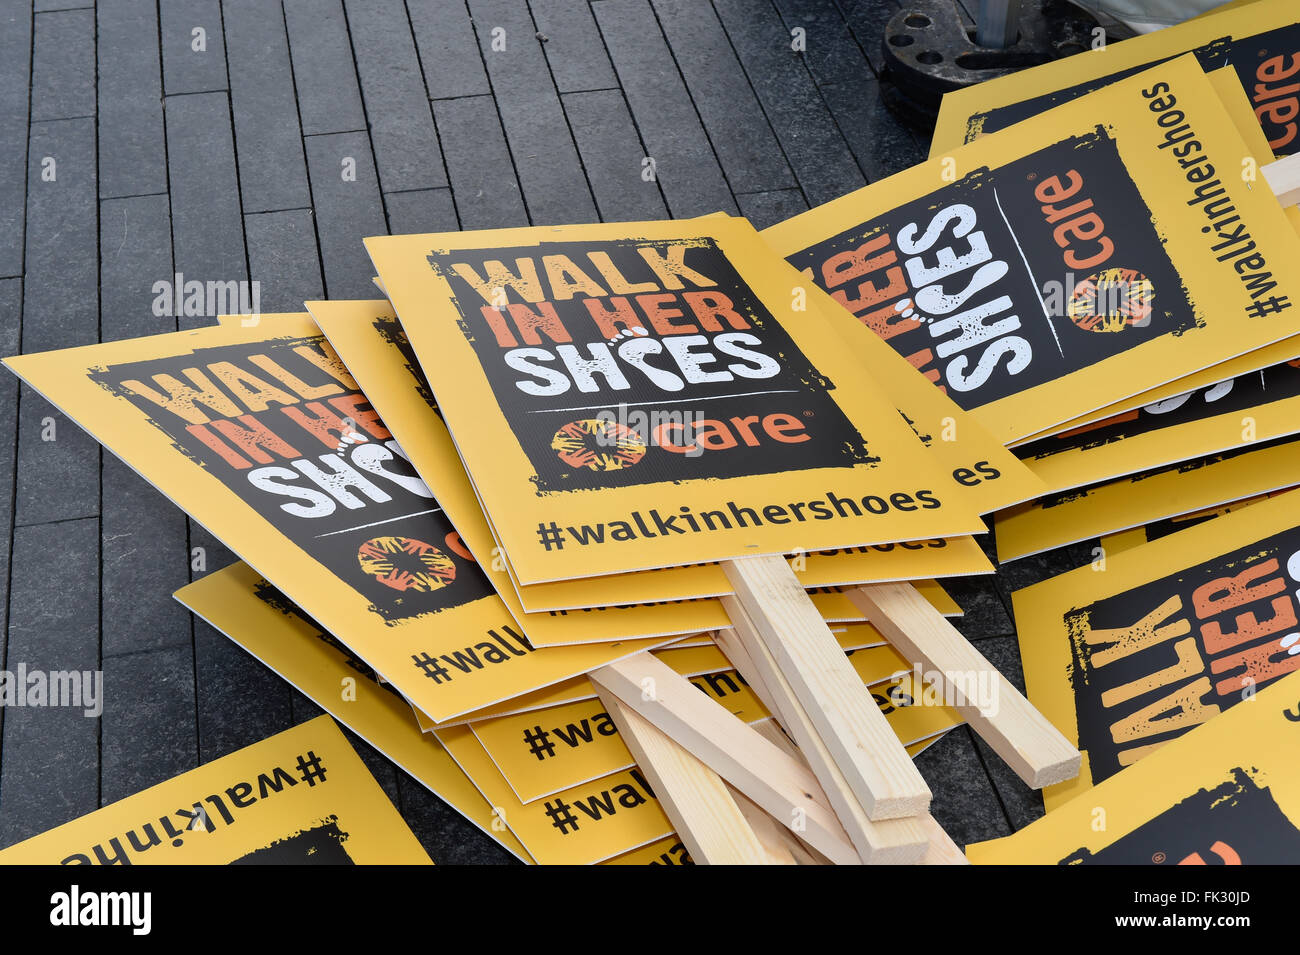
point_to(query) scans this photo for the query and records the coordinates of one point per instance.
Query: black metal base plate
(930, 49)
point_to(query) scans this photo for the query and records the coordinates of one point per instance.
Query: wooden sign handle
(861, 744)
(940, 850)
(888, 842)
(696, 801)
(995, 709)
(1283, 177)
(780, 784)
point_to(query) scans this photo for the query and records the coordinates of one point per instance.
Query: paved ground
(210, 138)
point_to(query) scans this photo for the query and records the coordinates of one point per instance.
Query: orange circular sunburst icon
(598, 445)
(1112, 300)
(404, 563)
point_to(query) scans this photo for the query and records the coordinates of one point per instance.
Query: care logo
(1112, 300)
(403, 564)
(598, 445)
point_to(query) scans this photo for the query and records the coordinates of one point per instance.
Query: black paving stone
(62, 215)
(240, 702)
(283, 259)
(737, 127)
(482, 175)
(58, 479)
(848, 86)
(1022, 804)
(965, 803)
(347, 210)
(148, 722)
(58, 465)
(448, 837)
(812, 141)
(192, 62)
(867, 19)
(329, 98)
(207, 554)
(768, 208)
(573, 47)
(272, 170)
(207, 233)
(131, 158)
(687, 168)
(15, 73)
(11, 301)
(135, 253)
(546, 161)
(401, 127)
(423, 210)
(448, 50)
(302, 709)
(145, 561)
(985, 615)
(1019, 574)
(63, 65)
(879, 144)
(613, 156)
(51, 754)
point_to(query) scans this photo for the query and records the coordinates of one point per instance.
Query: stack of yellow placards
(623, 538)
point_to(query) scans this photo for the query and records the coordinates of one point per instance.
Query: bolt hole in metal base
(931, 47)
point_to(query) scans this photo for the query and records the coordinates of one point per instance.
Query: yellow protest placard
(1226, 793)
(581, 825)
(1126, 656)
(262, 436)
(1260, 42)
(542, 752)
(688, 657)
(666, 851)
(982, 472)
(1127, 540)
(301, 797)
(545, 751)
(1251, 409)
(666, 318)
(1229, 90)
(238, 603)
(1066, 263)
(1071, 516)
(373, 346)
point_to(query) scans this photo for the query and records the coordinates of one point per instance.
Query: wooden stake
(890, 841)
(802, 853)
(873, 762)
(995, 709)
(1283, 177)
(779, 784)
(940, 849)
(695, 800)
(777, 842)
